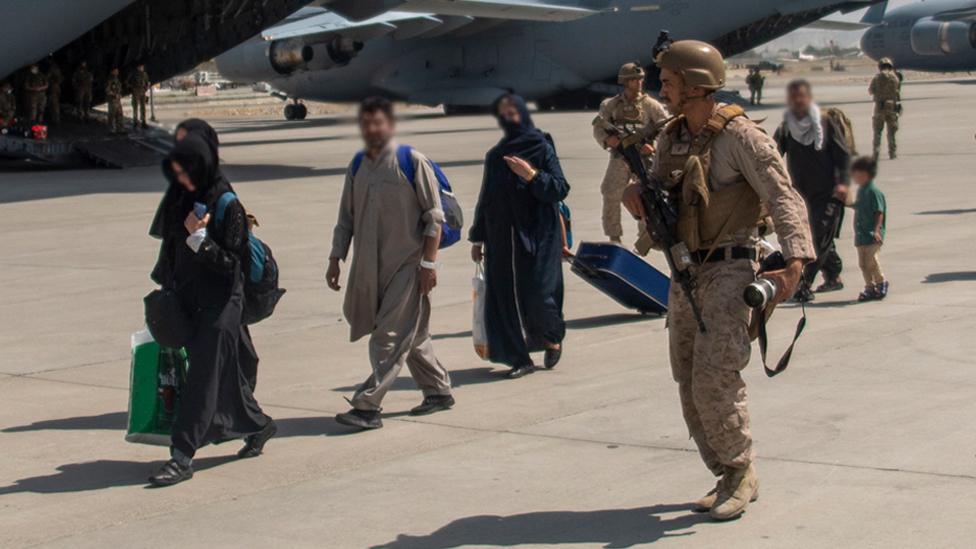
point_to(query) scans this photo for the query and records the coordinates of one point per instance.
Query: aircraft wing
(417, 18)
(498, 9)
(826, 24)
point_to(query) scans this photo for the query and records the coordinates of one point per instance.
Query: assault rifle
(661, 213)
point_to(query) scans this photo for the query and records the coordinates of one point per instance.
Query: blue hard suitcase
(622, 275)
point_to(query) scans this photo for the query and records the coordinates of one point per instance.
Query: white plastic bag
(479, 332)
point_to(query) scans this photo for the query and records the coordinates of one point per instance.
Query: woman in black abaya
(202, 260)
(203, 130)
(518, 233)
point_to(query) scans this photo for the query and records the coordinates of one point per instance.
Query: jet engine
(260, 60)
(930, 37)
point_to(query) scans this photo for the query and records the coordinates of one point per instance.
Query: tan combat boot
(705, 503)
(740, 487)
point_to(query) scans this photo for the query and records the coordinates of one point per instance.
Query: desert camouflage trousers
(115, 115)
(885, 117)
(614, 184)
(707, 366)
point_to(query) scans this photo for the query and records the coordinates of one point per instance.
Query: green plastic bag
(158, 377)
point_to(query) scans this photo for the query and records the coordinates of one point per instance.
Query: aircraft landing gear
(295, 111)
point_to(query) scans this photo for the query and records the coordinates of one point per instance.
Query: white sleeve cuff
(195, 240)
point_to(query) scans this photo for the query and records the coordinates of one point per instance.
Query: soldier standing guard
(635, 109)
(755, 81)
(54, 81)
(139, 83)
(36, 88)
(886, 89)
(113, 94)
(82, 82)
(726, 171)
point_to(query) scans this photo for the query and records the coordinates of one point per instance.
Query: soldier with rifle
(714, 177)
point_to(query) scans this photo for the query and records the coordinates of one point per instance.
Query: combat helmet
(886, 62)
(630, 71)
(699, 63)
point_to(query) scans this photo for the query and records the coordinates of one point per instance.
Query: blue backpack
(261, 291)
(453, 215)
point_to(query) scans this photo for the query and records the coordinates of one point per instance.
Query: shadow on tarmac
(614, 528)
(99, 475)
(113, 421)
(961, 276)
(587, 323)
(459, 378)
(948, 212)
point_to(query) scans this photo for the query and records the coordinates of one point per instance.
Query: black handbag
(166, 319)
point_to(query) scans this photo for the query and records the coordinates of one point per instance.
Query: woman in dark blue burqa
(517, 232)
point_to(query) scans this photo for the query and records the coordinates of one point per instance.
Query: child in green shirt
(870, 218)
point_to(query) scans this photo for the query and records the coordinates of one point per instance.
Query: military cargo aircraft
(563, 54)
(937, 35)
(169, 37)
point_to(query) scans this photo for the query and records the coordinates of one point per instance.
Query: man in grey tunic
(396, 226)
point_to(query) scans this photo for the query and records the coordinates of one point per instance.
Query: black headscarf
(194, 154)
(204, 131)
(523, 139)
(201, 128)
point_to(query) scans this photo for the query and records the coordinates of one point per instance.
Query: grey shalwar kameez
(389, 218)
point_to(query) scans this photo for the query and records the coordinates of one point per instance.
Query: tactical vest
(626, 112)
(887, 87)
(706, 216)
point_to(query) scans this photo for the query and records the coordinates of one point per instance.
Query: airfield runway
(867, 441)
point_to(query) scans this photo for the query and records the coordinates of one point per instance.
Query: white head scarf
(808, 131)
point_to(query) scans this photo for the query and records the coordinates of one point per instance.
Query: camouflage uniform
(707, 365)
(646, 113)
(82, 82)
(755, 81)
(36, 100)
(139, 83)
(8, 105)
(54, 81)
(886, 89)
(113, 94)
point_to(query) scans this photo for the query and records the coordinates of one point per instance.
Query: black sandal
(254, 444)
(171, 473)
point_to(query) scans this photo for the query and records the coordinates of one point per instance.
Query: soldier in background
(54, 81)
(740, 175)
(636, 109)
(82, 82)
(8, 105)
(36, 88)
(113, 95)
(138, 83)
(886, 89)
(755, 81)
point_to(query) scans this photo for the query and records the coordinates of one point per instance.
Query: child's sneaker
(869, 294)
(882, 290)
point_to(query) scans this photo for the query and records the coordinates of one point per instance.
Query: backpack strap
(222, 203)
(357, 161)
(405, 160)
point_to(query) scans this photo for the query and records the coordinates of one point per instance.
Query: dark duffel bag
(167, 321)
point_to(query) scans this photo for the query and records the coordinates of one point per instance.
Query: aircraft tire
(290, 112)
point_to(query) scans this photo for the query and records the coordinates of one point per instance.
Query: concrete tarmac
(865, 442)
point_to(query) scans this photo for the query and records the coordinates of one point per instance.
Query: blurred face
(799, 99)
(141, 68)
(861, 178)
(376, 128)
(34, 69)
(182, 177)
(115, 72)
(634, 86)
(180, 134)
(508, 112)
